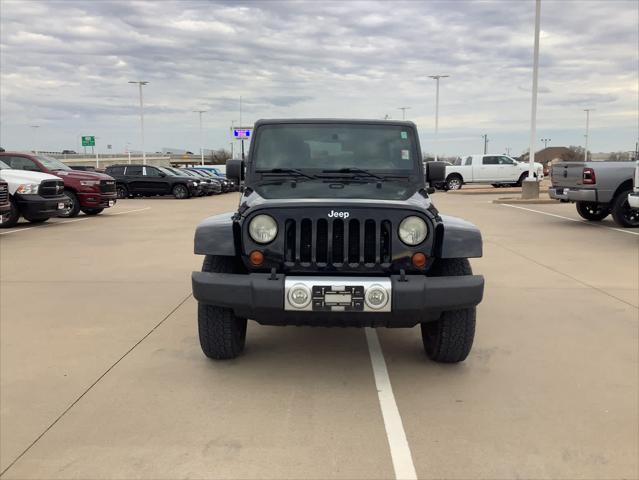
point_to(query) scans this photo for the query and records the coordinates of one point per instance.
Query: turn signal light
(256, 258)
(419, 260)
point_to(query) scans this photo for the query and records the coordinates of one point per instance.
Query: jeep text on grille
(336, 227)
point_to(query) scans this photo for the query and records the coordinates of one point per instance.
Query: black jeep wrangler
(335, 227)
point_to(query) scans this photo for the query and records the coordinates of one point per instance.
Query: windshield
(52, 163)
(167, 171)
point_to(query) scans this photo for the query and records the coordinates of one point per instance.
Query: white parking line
(17, 230)
(399, 449)
(586, 222)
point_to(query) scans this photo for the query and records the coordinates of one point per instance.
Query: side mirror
(235, 170)
(162, 174)
(435, 172)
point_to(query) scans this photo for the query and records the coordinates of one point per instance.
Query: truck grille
(337, 242)
(4, 194)
(51, 188)
(107, 186)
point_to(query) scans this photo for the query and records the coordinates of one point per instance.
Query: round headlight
(413, 230)
(262, 229)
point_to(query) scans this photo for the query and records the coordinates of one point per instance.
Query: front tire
(623, 215)
(92, 211)
(450, 339)
(180, 192)
(593, 212)
(222, 334)
(454, 182)
(122, 192)
(37, 219)
(74, 205)
(13, 216)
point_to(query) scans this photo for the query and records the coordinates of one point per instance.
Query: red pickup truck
(89, 192)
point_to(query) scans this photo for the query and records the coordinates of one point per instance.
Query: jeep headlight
(28, 188)
(263, 229)
(413, 230)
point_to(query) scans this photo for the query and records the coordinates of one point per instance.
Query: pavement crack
(581, 282)
(90, 387)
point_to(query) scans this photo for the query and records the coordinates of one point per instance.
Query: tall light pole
(546, 140)
(200, 112)
(485, 137)
(241, 126)
(530, 189)
(436, 78)
(35, 137)
(403, 109)
(141, 84)
(587, 135)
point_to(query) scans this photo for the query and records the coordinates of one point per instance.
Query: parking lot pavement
(102, 375)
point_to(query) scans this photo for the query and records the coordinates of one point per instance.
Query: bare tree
(219, 157)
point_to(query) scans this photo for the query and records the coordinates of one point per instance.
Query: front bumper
(414, 299)
(633, 200)
(36, 206)
(96, 199)
(572, 194)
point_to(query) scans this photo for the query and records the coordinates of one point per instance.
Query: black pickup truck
(336, 227)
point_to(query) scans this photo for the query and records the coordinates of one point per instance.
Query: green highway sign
(88, 141)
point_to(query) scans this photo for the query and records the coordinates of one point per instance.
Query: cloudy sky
(65, 66)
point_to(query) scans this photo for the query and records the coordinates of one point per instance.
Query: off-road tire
(593, 212)
(454, 182)
(222, 333)
(450, 339)
(36, 219)
(13, 216)
(623, 215)
(92, 211)
(121, 191)
(74, 202)
(180, 191)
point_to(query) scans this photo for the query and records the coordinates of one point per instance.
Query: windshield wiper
(284, 171)
(358, 172)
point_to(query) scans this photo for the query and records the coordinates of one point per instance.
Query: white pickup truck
(497, 170)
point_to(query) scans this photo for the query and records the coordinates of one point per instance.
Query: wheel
(454, 182)
(594, 212)
(74, 206)
(496, 185)
(12, 217)
(180, 192)
(523, 177)
(92, 211)
(36, 219)
(623, 215)
(450, 339)
(222, 333)
(122, 191)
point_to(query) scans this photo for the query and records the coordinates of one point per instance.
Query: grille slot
(4, 193)
(51, 188)
(337, 242)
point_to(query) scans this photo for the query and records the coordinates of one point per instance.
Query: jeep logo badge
(334, 214)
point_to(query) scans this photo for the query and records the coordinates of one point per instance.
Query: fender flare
(459, 239)
(214, 236)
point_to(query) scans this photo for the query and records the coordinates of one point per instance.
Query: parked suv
(89, 192)
(336, 227)
(35, 196)
(147, 181)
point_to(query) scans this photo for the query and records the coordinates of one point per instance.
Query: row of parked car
(38, 187)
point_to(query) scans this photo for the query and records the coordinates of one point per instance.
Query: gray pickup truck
(598, 188)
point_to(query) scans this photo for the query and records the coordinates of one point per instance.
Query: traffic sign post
(242, 133)
(88, 141)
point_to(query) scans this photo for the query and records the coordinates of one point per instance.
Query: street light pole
(403, 109)
(546, 140)
(200, 112)
(141, 84)
(485, 137)
(587, 110)
(533, 110)
(35, 136)
(436, 78)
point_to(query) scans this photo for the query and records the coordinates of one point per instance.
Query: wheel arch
(459, 239)
(625, 185)
(455, 174)
(215, 236)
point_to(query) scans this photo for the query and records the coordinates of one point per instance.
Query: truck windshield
(380, 149)
(52, 163)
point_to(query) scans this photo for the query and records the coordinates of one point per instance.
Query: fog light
(419, 260)
(299, 296)
(376, 297)
(256, 258)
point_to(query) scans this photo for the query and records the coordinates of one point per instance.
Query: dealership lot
(102, 375)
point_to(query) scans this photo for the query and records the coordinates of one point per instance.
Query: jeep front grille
(337, 242)
(51, 188)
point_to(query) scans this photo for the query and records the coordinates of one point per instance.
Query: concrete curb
(528, 201)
